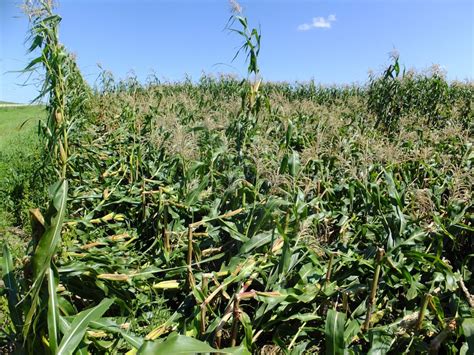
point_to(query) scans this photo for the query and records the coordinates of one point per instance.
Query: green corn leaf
(53, 311)
(35, 43)
(247, 325)
(334, 331)
(352, 329)
(436, 303)
(289, 133)
(79, 326)
(396, 67)
(33, 64)
(11, 287)
(285, 259)
(112, 327)
(464, 349)
(64, 325)
(46, 248)
(231, 228)
(294, 163)
(256, 242)
(380, 342)
(396, 197)
(284, 164)
(175, 344)
(193, 195)
(236, 350)
(51, 237)
(468, 330)
(184, 345)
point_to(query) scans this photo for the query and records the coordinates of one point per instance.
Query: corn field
(242, 216)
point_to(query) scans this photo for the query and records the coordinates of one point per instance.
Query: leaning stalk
(422, 313)
(235, 321)
(373, 290)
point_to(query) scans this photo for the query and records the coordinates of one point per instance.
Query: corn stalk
(63, 85)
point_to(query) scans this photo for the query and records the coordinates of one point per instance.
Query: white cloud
(318, 22)
(321, 22)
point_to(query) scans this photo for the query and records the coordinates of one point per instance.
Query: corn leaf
(53, 311)
(181, 344)
(380, 342)
(79, 326)
(47, 247)
(334, 331)
(11, 287)
(468, 330)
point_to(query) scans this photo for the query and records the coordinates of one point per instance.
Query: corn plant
(63, 86)
(385, 96)
(252, 98)
(38, 310)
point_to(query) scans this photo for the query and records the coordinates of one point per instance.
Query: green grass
(17, 123)
(18, 147)
(17, 135)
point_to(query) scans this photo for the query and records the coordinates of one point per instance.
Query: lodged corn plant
(193, 221)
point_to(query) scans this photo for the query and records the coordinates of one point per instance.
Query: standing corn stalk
(67, 94)
(252, 98)
(63, 87)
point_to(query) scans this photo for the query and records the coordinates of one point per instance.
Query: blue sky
(334, 42)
